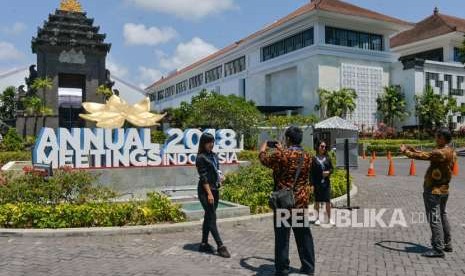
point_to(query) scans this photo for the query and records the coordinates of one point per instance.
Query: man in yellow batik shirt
(436, 190)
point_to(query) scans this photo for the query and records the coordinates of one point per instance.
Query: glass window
(213, 74)
(349, 38)
(457, 55)
(234, 67)
(161, 95)
(195, 81)
(181, 87)
(169, 91)
(288, 45)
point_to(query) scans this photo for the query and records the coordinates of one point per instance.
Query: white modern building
(429, 56)
(328, 44)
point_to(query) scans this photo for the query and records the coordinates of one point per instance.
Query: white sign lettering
(113, 148)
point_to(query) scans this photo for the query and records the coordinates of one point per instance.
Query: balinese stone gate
(72, 54)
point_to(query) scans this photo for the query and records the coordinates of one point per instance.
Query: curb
(145, 229)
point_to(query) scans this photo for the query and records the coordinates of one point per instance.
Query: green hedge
(157, 208)
(7, 156)
(70, 199)
(252, 185)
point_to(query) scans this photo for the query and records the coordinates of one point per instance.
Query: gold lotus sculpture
(70, 6)
(116, 111)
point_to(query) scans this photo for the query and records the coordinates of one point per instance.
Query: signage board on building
(132, 147)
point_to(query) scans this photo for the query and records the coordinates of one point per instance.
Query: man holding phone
(291, 168)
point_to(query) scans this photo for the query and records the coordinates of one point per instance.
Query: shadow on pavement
(263, 269)
(194, 247)
(402, 246)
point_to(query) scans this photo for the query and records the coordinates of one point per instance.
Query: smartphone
(271, 144)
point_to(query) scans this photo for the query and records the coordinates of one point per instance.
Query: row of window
(230, 68)
(234, 67)
(335, 36)
(287, 45)
(349, 38)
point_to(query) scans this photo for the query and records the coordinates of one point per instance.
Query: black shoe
(448, 248)
(282, 273)
(223, 252)
(206, 248)
(305, 272)
(433, 253)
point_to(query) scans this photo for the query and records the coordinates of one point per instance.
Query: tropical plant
(12, 141)
(323, 96)
(8, 104)
(104, 91)
(43, 84)
(392, 105)
(434, 110)
(337, 103)
(213, 110)
(33, 105)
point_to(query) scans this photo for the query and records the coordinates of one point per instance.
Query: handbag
(284, 199)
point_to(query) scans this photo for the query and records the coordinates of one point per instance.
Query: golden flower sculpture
(116, 111)
(70, 6)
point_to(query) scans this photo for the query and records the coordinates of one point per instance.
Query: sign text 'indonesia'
(113, 148)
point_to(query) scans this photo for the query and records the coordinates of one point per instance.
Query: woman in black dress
(320, 176)
(209, 183)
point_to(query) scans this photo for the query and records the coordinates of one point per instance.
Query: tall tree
(8, 104)
(392, 105)
(43, 84)
(434, 110)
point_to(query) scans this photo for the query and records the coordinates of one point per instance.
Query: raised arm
(273, 160)
(435, 155)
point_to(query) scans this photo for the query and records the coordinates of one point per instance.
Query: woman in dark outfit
(210, 179)
(320, 173)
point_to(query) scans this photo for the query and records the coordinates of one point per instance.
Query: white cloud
(116, 68)
(139, 34)
(9, 52)
(187, 53)
(186, 9)
(149, 75)
(16, 29)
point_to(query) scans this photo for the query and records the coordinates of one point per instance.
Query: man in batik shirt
(436, 190)
(285, 163)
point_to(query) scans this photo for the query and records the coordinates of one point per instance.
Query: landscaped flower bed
(70, 200)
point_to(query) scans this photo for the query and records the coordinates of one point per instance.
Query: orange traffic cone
(371, 169)
(391, 171)
(389, 156)
(455, 168)
(373, 155)
(413, 168)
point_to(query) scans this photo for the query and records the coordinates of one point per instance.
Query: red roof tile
(336, 6)
(432, 26)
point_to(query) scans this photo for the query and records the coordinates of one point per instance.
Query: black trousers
(209, 220)
(436, 214)
(304, 240)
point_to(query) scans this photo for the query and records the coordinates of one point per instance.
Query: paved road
(340, 251)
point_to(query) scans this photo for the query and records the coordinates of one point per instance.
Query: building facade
(326, 44)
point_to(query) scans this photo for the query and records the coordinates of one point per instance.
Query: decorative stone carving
(72, 56)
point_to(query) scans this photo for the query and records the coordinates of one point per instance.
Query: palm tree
(342, 102)
(392, 105)
(323, 96)
(42, 84)
(434, 110)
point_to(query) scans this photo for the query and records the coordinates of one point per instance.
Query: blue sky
(153, 37)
